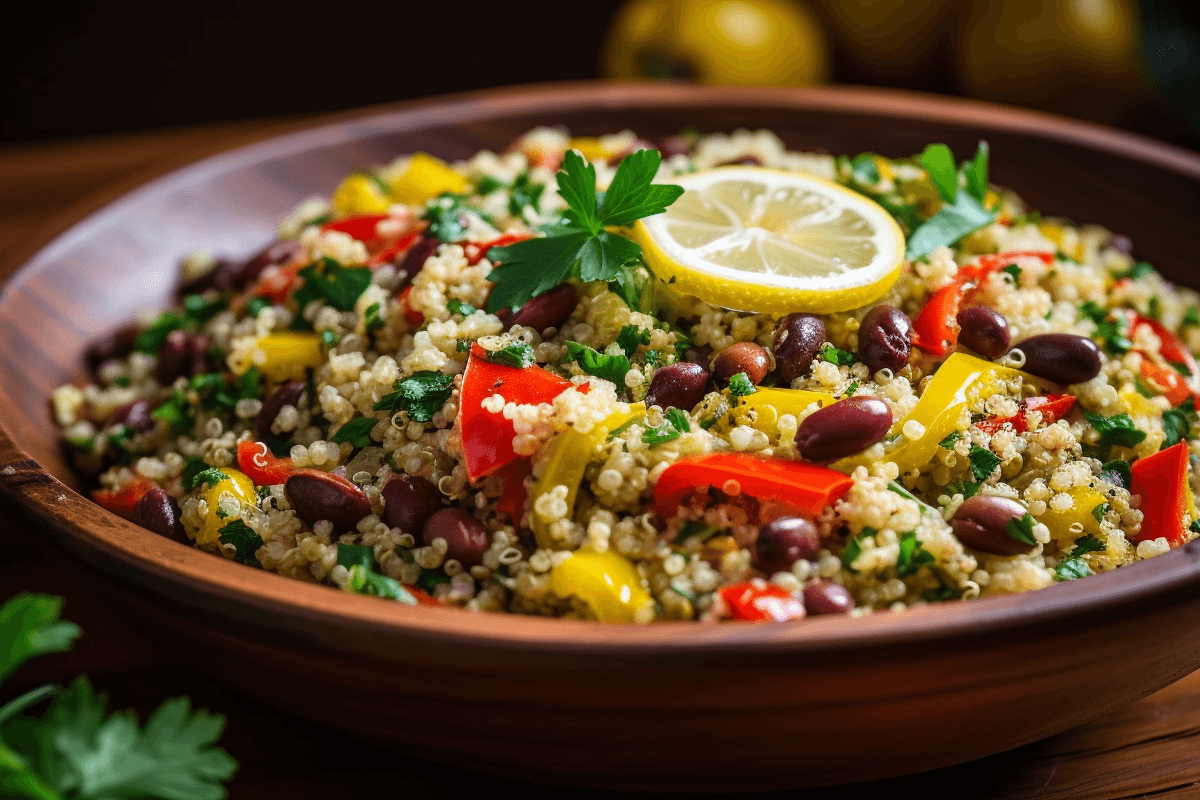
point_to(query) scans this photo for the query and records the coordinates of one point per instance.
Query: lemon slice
(755, 239)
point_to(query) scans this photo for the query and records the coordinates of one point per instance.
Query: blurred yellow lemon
(1029, 50)
(755, 239)
(738, 42)
(892, 40)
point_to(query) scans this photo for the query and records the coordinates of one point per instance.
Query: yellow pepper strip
(569, 456)
(289, 354)
(238, 485)
(1084, 501)
(358, 194)
(961, 381)
(768, 405)
(426, 177)
(589, 147)
(608, 582)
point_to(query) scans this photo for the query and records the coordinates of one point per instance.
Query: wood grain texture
(824, 702)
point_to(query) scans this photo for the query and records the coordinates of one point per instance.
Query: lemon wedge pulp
(754, 239)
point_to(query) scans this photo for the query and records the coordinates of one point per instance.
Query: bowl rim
(199, 579)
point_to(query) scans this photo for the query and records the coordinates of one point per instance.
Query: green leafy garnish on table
(76, 749)
(581, 245)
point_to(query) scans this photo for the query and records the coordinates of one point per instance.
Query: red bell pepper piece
(935, 330)
(392, 252)
(1162, 482)
(805, 487)
(1170, 382)
(422, 598)
(487, 437)
(758, 601)
(1053, 407)
(512, 499)
(414, 317)
(122, 501)
(477, 250)
(261, 465)
(361, 226)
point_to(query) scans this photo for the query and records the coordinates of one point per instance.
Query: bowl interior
(122, 258)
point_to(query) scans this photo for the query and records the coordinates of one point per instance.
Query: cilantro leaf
(951, 223)
(593, 362)
(1118, 429)
(420, 394)
(912, 555)
(1178, 422)
(350, 554)
(357, 432)
(244, 539)
(1021, 529)
(329, 281)
(1100, 510)
(29, 627)
(518, 355)
(938, 161)
(740, 385)
(532, 267)
(983, 462)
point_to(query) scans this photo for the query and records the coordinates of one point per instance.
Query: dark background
(82, 69)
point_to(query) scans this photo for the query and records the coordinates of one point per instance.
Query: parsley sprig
(581, 244)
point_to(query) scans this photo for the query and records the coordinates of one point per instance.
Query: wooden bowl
(674, 706)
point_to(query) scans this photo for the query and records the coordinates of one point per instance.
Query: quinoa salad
(704, 378)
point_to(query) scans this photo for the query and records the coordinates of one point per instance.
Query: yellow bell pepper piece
(358, 194)
(238, 485)
(589, 147)
(426, 177)
(289, 354)
(1084, 501)
(569, 456)
(961, 381)
(769, 405)
(608, 582)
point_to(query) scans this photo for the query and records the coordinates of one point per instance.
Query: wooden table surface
(1148, 749)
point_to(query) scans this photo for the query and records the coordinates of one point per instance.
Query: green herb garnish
(523, 194)
(834, 355)
(1178, 422)
(1118, 429)
(357, 432)
(151, 339)
(460, 307)
(1073, 566)
(983, 462)
(675, 426)
(630, 337)
(740, 385)
(518, 355)
(962, 212)
(693, 528)
(421, 394)
(582, 244)
(593, 362)
(372, 321)
(244, 539)
(330, 282)
(1139, 270)
(1118, 472)
(948, 442)
(1022, 529)
(363, 581)
(199, 310)
(1015, 272)
(912, 555)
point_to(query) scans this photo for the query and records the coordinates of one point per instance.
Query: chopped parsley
(1117, 472)
(912, 555)
(966, 488)
(1021, 529)
(328, 281)
(948, 442)
(740, 385)
(962, 212)
(518, 355)
(630, 337)
(199, 310)
(363, 581)
(1190, 319)
(693, 528)
(329, 338)
(245, 541)
(593, 362)
(447, 217)
(175, 411)
(582, 244)
(151, 339)
(357, 432)
(461, 307)
(854, 548)
(1015, 272)
(1178, 422)
(350, 555)
(1113, 332)
(1115, 430)
(420, 394)
(834, 355)
(864, 170)
(983, 462)
(675, 426)
(1073, 566)
(372, 321)
(1100, 510)
(1154, 307)
(1139, 270)
(523, 194)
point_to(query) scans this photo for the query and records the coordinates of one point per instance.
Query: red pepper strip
(487, 437)
(422, 598)
(261, 465)
(414, 317)
(476, 251)
(512, 499)
(1167, 381)
(1176, 387)
(361, 227)
(1162, 481)
(122, 501)
(753, 603)
(391, 253)
(1053, 407)
(805, 487)
(935, 330)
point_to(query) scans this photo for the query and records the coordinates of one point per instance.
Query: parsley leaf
(693, 528)
(29, 627)
(1021, 529)
(1115, 430)
(1178, 422)
(675, 426)
(210, 477)
(966, 488)
(1073, 566)
(740, 385)
(364, 581)
(975, 172)
(1015, 272)
(912, 555)
(593, 362)
(962, 212)
(1100, 510)
(630, 337)
(447, 217)
(1117, 472)
(1139, 270)
(151, 339)
(834, 355)
(983, 462)
(864, 169)
(461, 307)
(199, 310)
(938, 161)
(523, 194)
(329, 281)
(244, 539)
(530, 268)
(1087, 544)
(349, 555)
(372, 321)
(420, 394)
(854, 548)
(357, 432)
(948, 442)
(518, 355)
(1191, 318)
